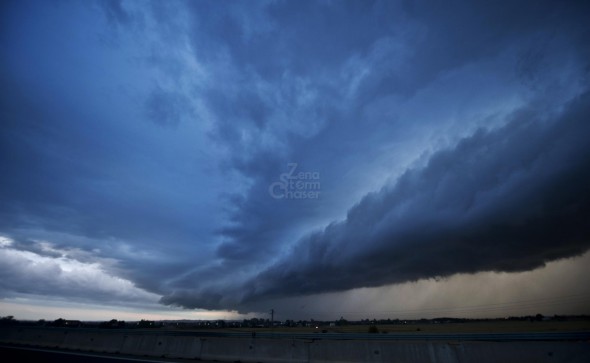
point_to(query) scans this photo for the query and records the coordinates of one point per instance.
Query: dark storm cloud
(434, 221)
(115, 12)
(77, 170)
(261, 54)
(505, 200)
(509, 199)
(332, 35)
(449, 35)
(246, 106)
(68, 176)
(168, 186)
(166, 108)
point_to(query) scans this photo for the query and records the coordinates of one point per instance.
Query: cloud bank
(140, 139)
(510, 199)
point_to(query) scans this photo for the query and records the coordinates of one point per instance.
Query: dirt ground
(449, 328)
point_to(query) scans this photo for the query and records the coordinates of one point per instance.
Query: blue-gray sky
(210, 158)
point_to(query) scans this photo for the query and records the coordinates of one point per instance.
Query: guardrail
(536, 336)
(272, 347)
(552, 336)
(549, 336)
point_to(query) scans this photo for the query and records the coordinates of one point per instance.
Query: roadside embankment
(295, 349)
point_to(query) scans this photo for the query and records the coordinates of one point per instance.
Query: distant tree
(373, 329)
(8, 320)
(342, 321)
(112, 324)
(59, 322)
(148, 324)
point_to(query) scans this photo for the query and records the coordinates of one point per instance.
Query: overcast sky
(209, 159)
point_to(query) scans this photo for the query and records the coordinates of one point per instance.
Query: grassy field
(420, 328)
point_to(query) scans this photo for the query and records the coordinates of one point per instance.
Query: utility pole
(272, 318)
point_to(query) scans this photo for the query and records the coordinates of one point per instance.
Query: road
(24, 354)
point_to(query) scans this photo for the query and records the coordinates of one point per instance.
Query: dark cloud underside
(510, 199)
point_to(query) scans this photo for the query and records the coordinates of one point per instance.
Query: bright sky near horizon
(216, 159)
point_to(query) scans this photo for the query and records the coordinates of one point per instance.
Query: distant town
(262, 323)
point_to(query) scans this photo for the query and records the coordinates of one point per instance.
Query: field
(449, 328)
